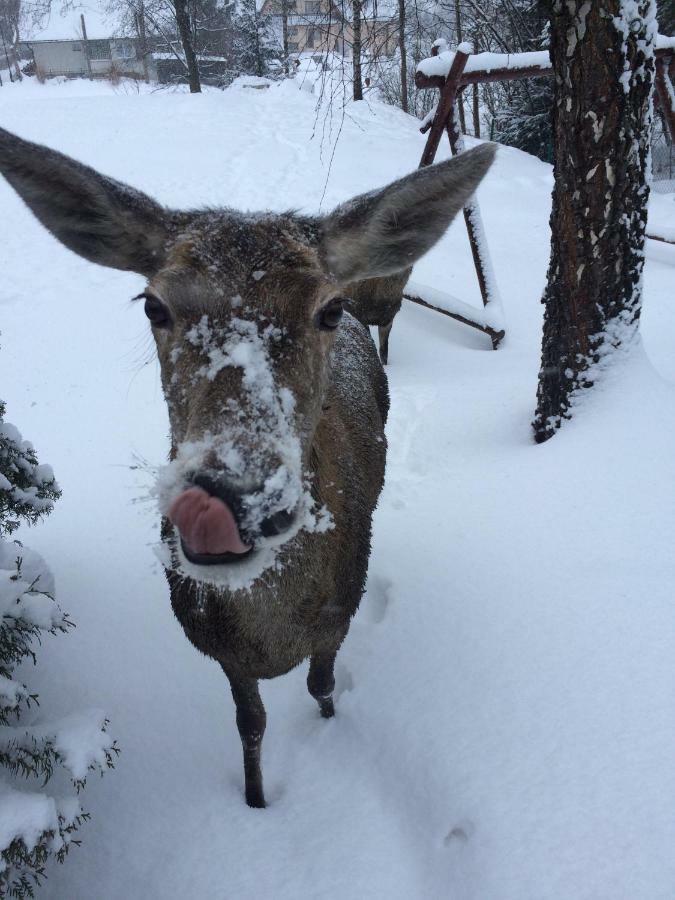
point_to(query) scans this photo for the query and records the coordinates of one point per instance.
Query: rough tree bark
(356, 49)
(603, 59)
(183, 23)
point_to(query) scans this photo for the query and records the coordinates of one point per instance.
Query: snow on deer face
(243, 317)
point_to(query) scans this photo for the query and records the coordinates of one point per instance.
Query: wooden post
(445, 106)
(85, 46)
(474, 225)
(445, 120)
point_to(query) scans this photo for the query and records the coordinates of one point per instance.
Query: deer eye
(329, 317)
(157, 312)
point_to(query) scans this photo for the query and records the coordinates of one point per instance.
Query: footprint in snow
(343, 680)
(376, 600)
(459, 834)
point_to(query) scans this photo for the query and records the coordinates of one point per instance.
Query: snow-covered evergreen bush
(33, 825)
(524, 117)
(256, 47)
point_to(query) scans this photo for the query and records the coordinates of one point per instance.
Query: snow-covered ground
(506, 712)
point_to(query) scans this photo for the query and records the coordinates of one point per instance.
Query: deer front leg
(383, 335)
(251, 721)
(321, 681)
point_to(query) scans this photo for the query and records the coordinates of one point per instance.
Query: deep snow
(506, 716)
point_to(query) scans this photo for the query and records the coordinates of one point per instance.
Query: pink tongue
(206, 524)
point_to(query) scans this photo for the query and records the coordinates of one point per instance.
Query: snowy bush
(33, 825)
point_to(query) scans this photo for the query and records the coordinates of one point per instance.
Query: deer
(376, 301)
(276, 396)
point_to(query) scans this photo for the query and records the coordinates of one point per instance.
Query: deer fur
(376, 301)
(277, 408)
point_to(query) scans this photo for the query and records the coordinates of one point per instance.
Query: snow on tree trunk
(603, 59)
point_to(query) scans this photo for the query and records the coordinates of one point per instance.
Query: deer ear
(388, 230)
(100, 219)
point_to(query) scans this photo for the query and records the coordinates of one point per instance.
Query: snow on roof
(440, 65)
(63, 23)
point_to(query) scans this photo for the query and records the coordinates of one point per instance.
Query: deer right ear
(98, 218)
(387, 231)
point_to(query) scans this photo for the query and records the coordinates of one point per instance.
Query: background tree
(185, 32)
(603, 57)
(10, 18)
(34, 826)
(256, 47)
(357, 49)
(523, 114)
(665, 11)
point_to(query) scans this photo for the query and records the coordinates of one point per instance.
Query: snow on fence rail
(489, 319)
(483, 67)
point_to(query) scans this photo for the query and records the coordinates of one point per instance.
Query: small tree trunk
(603, 60)
(85, 46)
(356, 49)
(183, 23)
(404, 60)
(284, 33)
(142, 40)
(259, 63)
(476, 111)
(460, 95)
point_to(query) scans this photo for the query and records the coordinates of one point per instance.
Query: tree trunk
(404, 60)
(460, 95)
(284, 33)
(183, 23)
(259, 65)
(142, 40)
(356, 49)
(603, 60)
(476, 112)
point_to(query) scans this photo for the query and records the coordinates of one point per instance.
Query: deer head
(244, 311)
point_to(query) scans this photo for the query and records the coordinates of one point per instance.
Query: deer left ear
(98, 218)
(386, 231)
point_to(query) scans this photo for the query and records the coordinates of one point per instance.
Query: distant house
(320, 26)
(58, 47)
(98, 58)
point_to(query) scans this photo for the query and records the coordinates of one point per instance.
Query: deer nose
(219, 489)
(272, 526)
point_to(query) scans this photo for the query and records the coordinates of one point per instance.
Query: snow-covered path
(506, 713)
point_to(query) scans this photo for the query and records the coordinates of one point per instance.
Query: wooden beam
(654, 237)
(495, 336)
